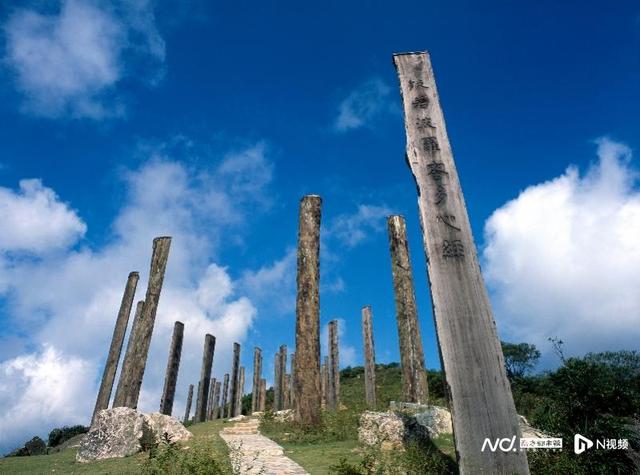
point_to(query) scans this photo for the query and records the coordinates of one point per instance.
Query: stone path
(254, 454)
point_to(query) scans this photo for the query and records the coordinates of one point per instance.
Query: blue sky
(209, 122)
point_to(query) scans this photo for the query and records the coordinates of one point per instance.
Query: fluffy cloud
(563, 258)
(352, 229)
(35, 220)
(63, 304)
(363, 106)
(67, 62)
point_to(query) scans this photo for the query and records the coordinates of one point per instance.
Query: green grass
(316, 458)
(65, 462)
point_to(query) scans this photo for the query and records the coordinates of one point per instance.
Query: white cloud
(363, 106)
(40, 390)
(563, 258)
(68, 62)
(66, 302)
(35, 220)
(274, 285)
(352, 229)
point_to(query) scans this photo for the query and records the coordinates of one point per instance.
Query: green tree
(519, 358)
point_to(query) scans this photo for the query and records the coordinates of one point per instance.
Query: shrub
(172, 459)
(61, 434)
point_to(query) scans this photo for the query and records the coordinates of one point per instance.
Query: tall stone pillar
(292, 392)
(135, 370)
(239, 393)
(334, 367)
(307, 384)
(277, 397)
(235, 380)
(212, 386)
(282, 374)
(257, 375)
(173, 365)
(263, 395)
(111, 365)
(414, 376)
(470, 350)
(215, 413)
(187, 410)
(369, 358)
(225, 393)
(123, 383)
(205, 376)
(324, 380)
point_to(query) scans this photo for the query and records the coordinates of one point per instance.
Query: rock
(121, 431)
(283, 416)
(381, 429)
(166, 428)
(437, 421)
(239, 418)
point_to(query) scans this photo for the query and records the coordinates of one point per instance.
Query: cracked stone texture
(122, 431)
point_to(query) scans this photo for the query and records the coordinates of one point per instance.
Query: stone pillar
(369, 358)
(205, 376)
(282, 382)
(225, 392)
(292, 392)
(307, 384)
(324, 380)
(173, 364)
(189, 399)
(481, 400)
(123, 383)
(212, 386)
(263, 395)
(257, 374)
(334, 367)
(135, 371)
(111, 365)
(239, 393)
(215, 413)
(414, 376)
(235, 380)
(277, 367)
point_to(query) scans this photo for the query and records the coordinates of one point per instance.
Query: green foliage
(335, 426)
(173, 459)
(61, 434)
(519, 358)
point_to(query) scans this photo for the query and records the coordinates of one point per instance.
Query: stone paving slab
(254, 454)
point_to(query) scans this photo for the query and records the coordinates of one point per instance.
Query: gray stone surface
(122, 431)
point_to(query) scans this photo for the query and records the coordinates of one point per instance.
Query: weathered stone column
(282, 383)
(481, 401)
(212, 386)
(235, 380)
(307, 384)
(225, 393)
(263, 395)
(133, 377)
(334, 367)
(324, 380)
(369, 358)
(111, 365)
(205, 376)
(123, 383)
(257, 374)
(292, 391)
(239, 393)
(277, 398)
(187, 410)
(216, 401)
(414, 376)
(173, 365)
